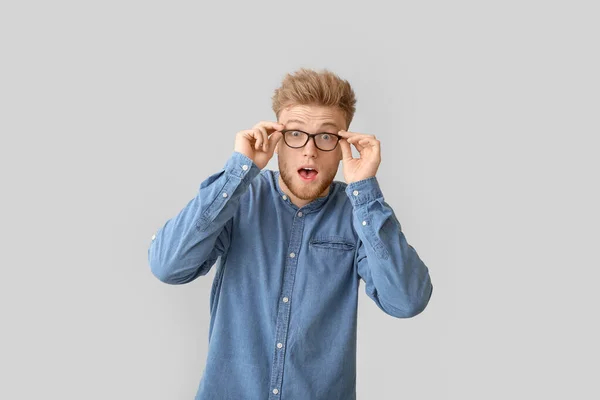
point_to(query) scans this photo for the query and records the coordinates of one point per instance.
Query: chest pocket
(333, 244)
(331, 259)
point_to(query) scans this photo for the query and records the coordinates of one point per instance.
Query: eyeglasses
(296, 139)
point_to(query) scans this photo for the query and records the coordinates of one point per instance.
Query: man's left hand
(356, 169)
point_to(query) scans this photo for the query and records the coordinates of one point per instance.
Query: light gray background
(112, 114)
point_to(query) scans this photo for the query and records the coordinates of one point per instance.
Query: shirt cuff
(364, 191)
(241, 166)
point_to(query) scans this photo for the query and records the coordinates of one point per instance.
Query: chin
(305, 190)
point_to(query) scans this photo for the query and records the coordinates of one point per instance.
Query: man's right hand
(259, 143)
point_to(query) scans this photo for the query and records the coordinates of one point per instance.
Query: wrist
(359, 178)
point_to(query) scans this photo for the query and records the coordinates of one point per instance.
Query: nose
(310, 149)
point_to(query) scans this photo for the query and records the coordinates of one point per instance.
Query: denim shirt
(283, 303)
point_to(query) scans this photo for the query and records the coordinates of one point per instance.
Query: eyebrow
(331, 124)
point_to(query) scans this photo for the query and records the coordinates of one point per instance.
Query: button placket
(284, 310)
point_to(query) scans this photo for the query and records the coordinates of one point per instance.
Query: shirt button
(300, 213)
(279, 345)
(355, 193)
(284, 197)
(364, 223)
(153, 237)
(285, 299)
(224, 194)
(292, 255)
(275, 391)
(244, 167)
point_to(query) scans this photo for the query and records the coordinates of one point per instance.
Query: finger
(364, 141)
(265, 137)
(346, 134)
(270, 125)
(257, 135)
(346, 150)
(357, 145)
(367, 142)
(354, 139)
(274, 132)
(373, 144)
(273, 140)
(250, 135)
(360, 136)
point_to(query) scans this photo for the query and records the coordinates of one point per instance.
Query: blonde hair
(323, 88)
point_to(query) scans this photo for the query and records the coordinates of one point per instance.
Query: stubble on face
(303, 191)
(309, 118)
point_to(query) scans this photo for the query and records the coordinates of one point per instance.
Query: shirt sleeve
(396, 279)
(187, 245)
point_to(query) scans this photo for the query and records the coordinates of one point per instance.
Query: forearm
(396, 278)
(189, 243)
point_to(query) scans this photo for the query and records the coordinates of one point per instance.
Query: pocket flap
(332, 242)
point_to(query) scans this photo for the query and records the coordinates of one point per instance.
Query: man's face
(310, 119)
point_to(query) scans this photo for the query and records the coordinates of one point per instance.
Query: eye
(326, 136)
(295, 133)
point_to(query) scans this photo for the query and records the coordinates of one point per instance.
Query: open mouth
(308, 174)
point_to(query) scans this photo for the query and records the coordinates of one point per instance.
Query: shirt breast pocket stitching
(332, 242)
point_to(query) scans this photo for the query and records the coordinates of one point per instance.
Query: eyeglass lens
(324, 141)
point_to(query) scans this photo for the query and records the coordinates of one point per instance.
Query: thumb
(274, 139)
(346, 150)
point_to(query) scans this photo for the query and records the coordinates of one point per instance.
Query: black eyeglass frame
(308, 137)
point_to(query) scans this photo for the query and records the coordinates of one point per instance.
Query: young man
(292, 246)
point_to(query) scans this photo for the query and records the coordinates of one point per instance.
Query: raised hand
(259, 143)
(356, 169)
